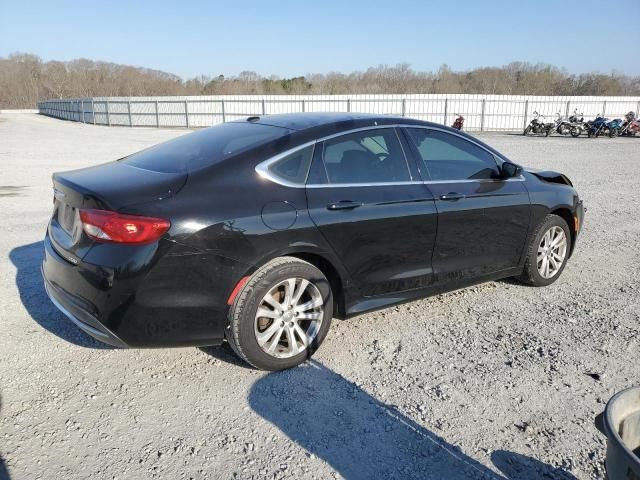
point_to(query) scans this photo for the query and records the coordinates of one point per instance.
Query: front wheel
(282, 314)
(613, 133)
(527, 131)
(547, 252)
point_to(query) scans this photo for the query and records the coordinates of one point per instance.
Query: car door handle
(343, 205)
(452, 196)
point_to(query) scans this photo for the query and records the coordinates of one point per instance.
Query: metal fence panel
(481, 112)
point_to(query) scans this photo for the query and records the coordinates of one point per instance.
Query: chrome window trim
(371, 184)
(262, 169)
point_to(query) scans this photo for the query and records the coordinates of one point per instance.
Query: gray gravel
(494, 381)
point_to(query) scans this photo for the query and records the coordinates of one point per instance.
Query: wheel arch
(565, 213)
(332, 274)
(329, 267)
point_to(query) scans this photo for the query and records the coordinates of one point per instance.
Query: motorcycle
(597, 126)
(538, 125)
(614, 127)
(459, 122)
(630, 126)
(558, 122)
(564, 125)
(575, 125)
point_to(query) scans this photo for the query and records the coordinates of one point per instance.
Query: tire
(575, 132)
(244, 325)
(527, 131)
(531, 274)
(613, 133)
(547, 132)
(590, 133)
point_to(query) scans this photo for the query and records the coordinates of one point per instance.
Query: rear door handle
(343, 205)
(452, 196)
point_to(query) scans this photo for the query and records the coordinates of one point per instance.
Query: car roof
(331, 121)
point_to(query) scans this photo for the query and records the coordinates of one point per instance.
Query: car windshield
(204, 148)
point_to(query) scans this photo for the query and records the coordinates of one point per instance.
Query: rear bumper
(81, 318)
(145, 298)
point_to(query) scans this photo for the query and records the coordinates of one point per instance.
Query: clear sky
(296, 37)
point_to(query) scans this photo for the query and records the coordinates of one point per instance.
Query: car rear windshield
(204, 148)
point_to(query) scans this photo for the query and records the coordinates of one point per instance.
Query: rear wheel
(575, 132)
(613, 133)
(547, 253)
(281, 316)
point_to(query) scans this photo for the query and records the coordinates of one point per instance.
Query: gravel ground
(495, 381)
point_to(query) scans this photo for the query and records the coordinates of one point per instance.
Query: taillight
(114, 227)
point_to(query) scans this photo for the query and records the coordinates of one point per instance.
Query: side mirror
(510, 170)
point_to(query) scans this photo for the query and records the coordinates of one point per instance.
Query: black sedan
(259, 232)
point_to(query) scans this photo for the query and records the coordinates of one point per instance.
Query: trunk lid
(112, 186)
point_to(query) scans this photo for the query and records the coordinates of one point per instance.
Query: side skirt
(369, 304)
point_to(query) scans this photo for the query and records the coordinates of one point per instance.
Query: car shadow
(225, 354)
(27, 260)
(4, 472)
(361, 437)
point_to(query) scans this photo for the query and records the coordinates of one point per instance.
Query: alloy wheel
(288, 318)
(552, 252)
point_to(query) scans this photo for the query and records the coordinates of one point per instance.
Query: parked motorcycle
(614, 127)
(630, 126)
(597, 127)
(574, 125)
(539, 126)
(557, 122)
(564, 125)
(459, 122)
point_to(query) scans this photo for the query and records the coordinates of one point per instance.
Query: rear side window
(450, 157)
(294, 167)
(369, 156)
(204, 148)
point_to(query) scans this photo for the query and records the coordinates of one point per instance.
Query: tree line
(25, 79)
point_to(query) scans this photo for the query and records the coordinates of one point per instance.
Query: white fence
(481, 112)
(19, 110)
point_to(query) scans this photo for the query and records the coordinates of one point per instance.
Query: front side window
(450, 157)
(369, 156)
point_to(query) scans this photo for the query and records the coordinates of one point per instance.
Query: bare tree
(25, 79)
